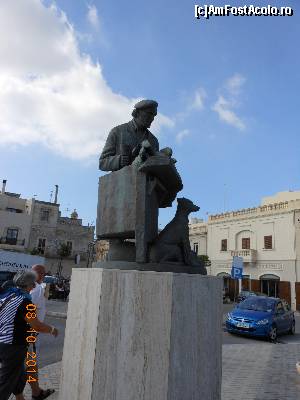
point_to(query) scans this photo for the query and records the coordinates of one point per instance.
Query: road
(52, 348)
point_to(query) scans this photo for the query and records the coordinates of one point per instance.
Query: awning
(224, 275)
(270, 277)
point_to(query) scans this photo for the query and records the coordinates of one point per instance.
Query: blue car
(261, 316)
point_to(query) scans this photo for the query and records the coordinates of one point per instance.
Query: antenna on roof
(224, 197)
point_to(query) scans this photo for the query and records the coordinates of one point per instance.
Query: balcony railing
(249, 255)
(12, 242)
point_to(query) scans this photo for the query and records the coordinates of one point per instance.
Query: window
(45, 215)
(245, 243)
(12, 236)
(70, 245)
(268, 242)
(196, 247)
(279, 308)
(286, 306)
(224, 245)
(13, 210)
(41, 246)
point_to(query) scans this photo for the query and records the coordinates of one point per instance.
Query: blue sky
(228, 93)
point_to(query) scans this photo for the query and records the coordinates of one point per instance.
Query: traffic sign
(237, 268)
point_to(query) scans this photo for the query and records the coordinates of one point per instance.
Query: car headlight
(229, 317)
(263, 322)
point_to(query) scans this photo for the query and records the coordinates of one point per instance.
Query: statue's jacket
(121, 141)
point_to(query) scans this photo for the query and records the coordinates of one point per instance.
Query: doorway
(270, 285)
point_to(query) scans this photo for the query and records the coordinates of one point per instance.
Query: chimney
(56, 193)
(4, 186)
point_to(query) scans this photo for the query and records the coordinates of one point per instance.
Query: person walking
(17, 321)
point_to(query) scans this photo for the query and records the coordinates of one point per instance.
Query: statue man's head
(144, 113)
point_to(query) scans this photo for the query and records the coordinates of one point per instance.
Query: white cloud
(181, 135)
(198, 100)
(235, 83)
(50, 93)
(194, 102)
(227, 102)
(93, 17)
(222, 107)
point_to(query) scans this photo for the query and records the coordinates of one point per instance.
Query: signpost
(237, 270)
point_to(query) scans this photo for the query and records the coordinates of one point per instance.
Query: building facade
(37, 227)
(198, 236)
(268, 239)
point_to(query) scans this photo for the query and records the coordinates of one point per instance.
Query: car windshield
(257, 304)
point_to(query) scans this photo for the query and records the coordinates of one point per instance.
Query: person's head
(40, 272)
(25, 280)
(144, 112)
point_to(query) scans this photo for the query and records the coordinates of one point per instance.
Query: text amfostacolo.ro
(206, 11)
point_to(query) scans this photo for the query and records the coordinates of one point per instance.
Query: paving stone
(250, 372)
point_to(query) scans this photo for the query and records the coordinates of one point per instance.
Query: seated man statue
(124, 142)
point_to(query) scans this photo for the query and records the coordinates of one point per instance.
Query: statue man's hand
(124, 160)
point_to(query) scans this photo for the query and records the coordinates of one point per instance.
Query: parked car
(246, 293)
(48, 279)
(6, 276)
(261, 316)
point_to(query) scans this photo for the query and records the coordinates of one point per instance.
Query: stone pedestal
(140, 335)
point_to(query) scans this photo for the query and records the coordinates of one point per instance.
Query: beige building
(34, 226)
(268, 239)
(101, 250)
(198, 236)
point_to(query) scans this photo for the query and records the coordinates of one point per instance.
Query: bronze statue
(172, 243)
(145, 179)
(124, 142)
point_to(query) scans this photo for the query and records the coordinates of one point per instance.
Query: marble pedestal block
(142, 335)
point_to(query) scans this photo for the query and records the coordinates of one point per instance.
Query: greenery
(63, 251)
(204, 258)
(34, 252)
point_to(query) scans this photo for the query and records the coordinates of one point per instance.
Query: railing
(12, 242)
(249, 255)
(247, 211)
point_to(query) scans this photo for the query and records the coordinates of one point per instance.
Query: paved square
(250, 372)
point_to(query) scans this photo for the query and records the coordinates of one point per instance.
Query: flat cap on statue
(143, 104)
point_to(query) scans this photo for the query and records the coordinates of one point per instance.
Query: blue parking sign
(237, 268)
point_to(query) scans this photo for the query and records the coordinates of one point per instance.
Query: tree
(205, 259)
(63, 251)
(34, 251)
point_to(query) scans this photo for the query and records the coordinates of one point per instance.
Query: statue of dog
(172, 243)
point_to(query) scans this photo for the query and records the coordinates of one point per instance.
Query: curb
(56, 314)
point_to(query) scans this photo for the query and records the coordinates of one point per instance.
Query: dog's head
(187, 204)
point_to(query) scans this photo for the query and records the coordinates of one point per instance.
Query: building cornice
(270, 210)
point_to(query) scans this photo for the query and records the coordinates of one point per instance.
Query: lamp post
(90, 253)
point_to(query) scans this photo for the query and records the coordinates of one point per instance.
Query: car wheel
(273, 334)
(292, 329)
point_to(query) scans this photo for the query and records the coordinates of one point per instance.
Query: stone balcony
(249, 255)
(12, 244)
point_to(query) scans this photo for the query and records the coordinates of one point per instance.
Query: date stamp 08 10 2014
(31, 339)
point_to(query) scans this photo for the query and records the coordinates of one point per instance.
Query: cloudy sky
(228, 93)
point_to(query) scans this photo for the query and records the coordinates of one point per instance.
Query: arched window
(223, 275)
(12, 236)
(226, 280)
